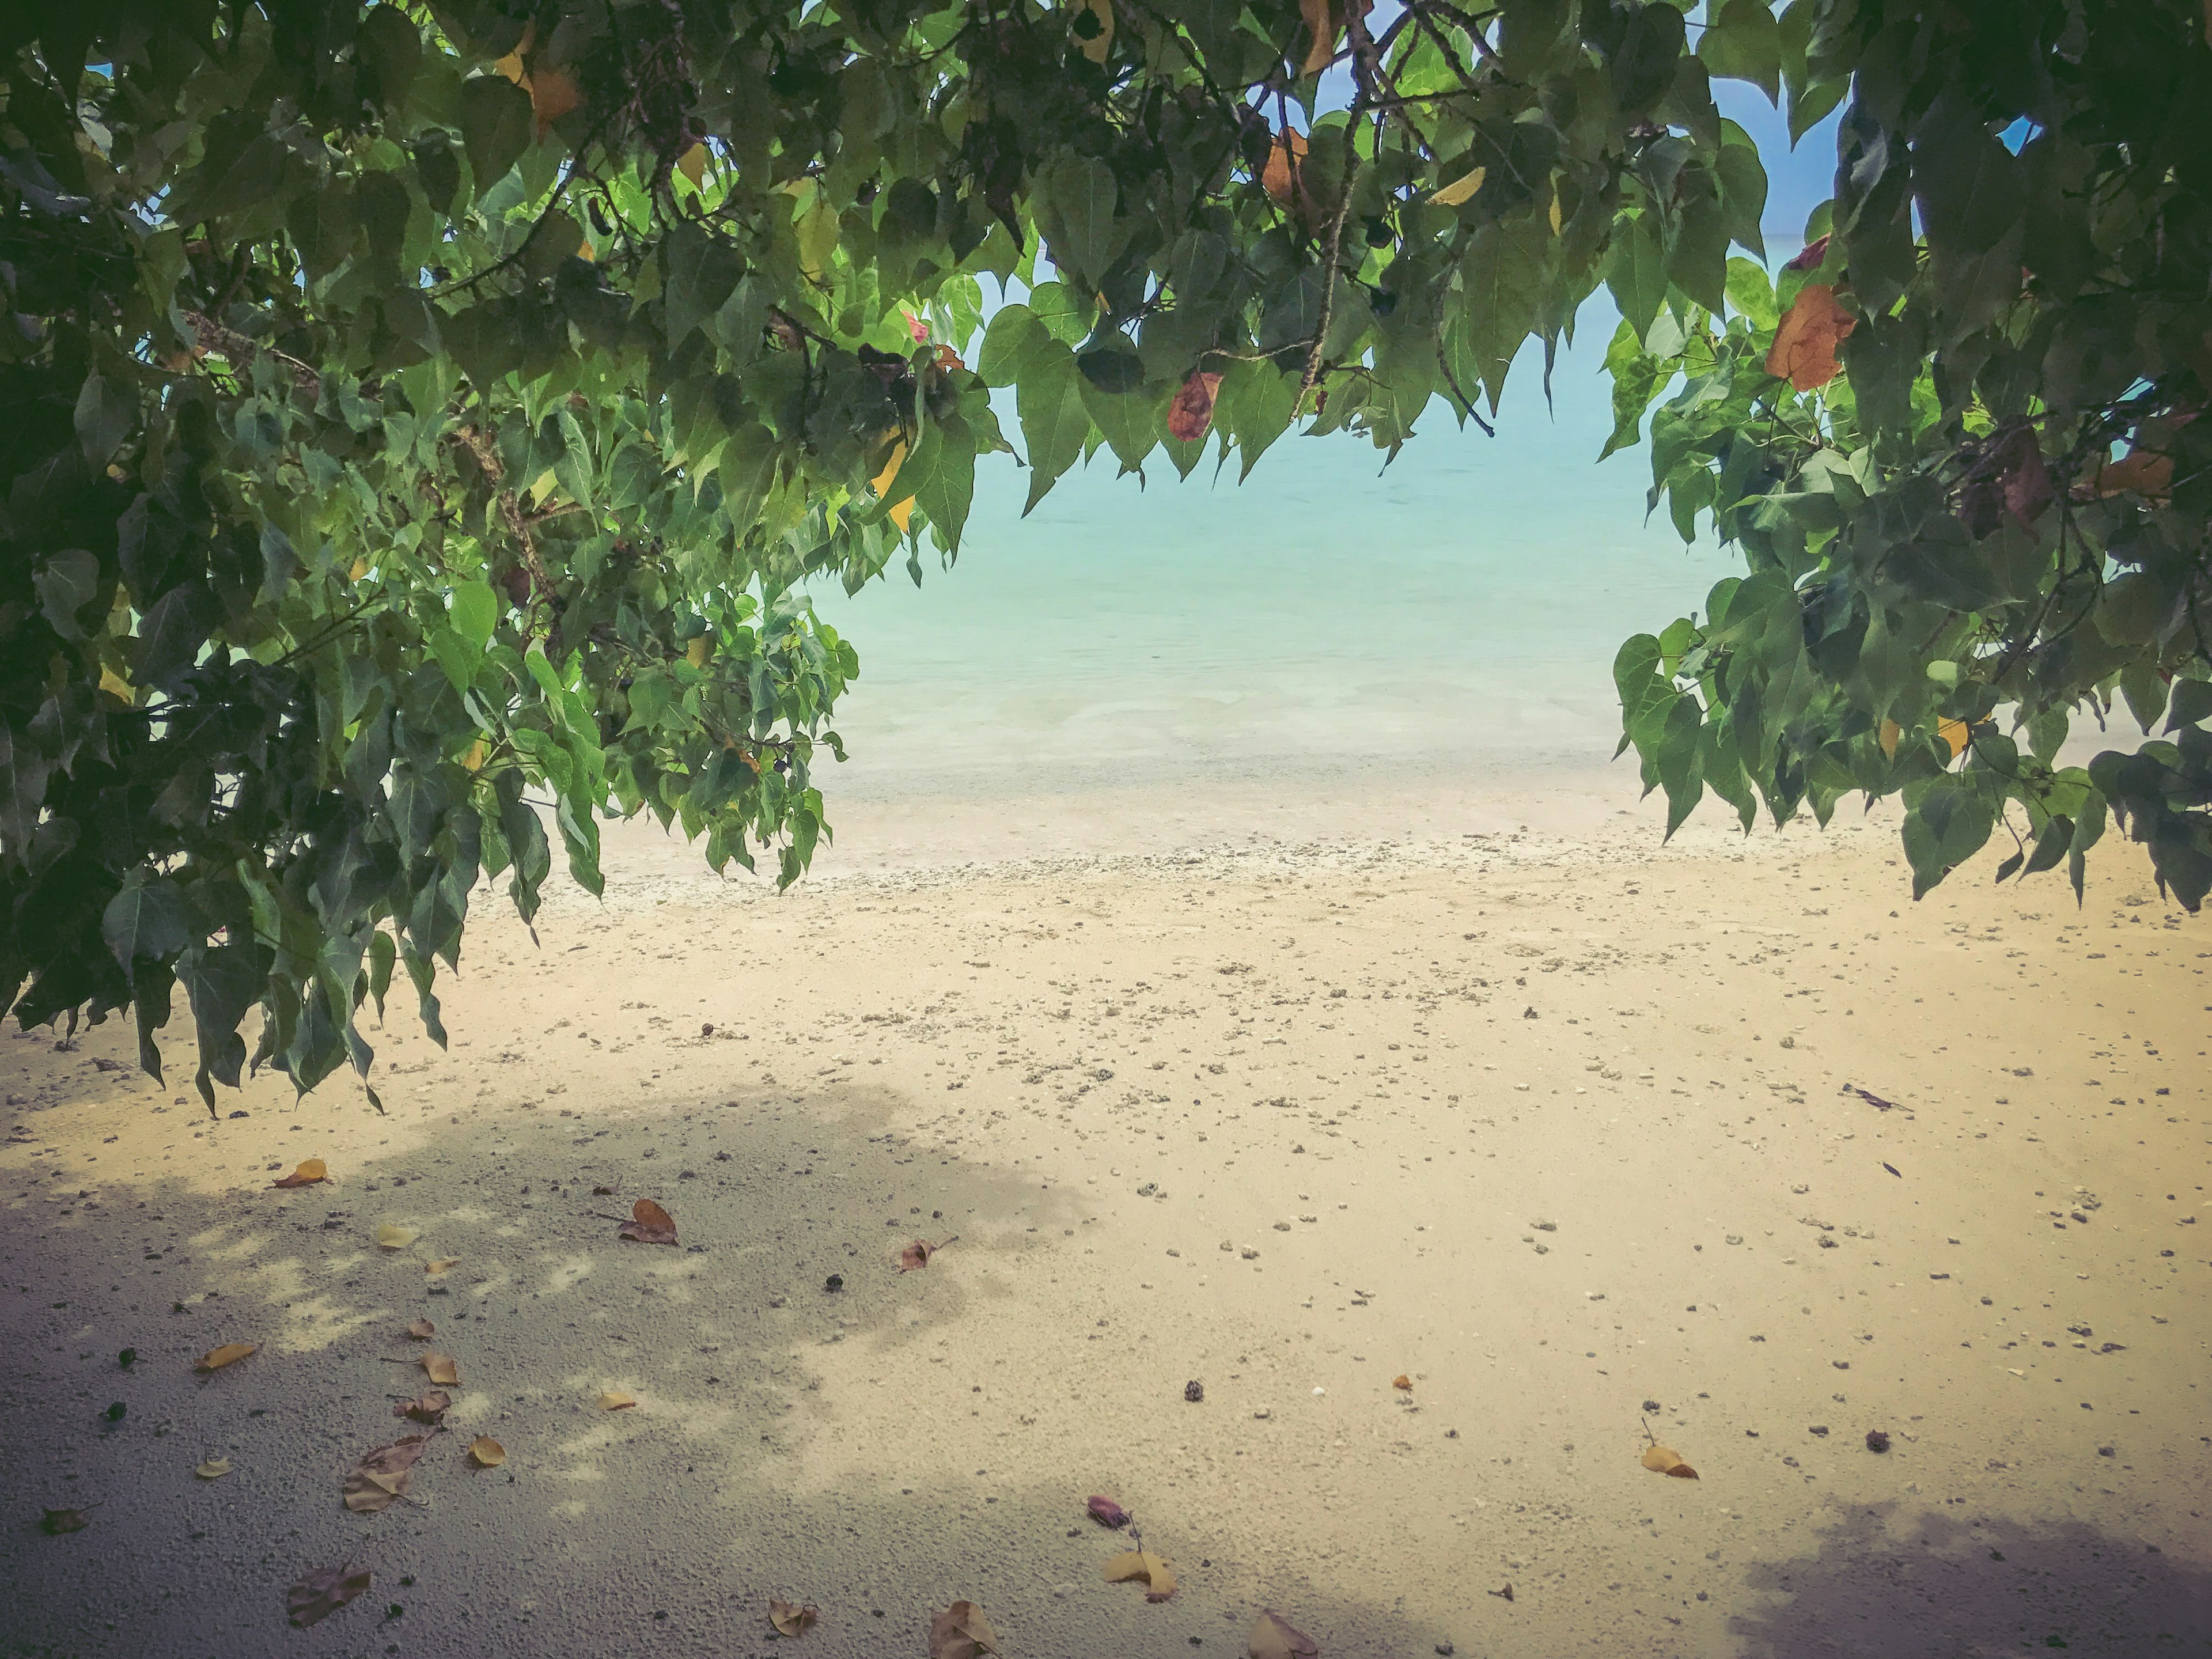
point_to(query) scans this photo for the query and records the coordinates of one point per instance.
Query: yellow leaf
(310, 1171)
(692, 164)
(1275, 1636)
(438, 1264)
(395, 1237)
(1805, 342)
(817, 230)
(422, 1330)
(473, 759)
(1557, 220)
(214, 1469)
(902, 513)
(1154, 1570)
(1891, 731)
(360, 569)
(441, 1368)
(229, 1354)
(110, 681)
(1096, 46)
(1325, 26)
(614, 1399)
(790, 1618)
(1954, 733)
(2146, 471)
(1665, 1460)
(1461, 189)
(1280, 176)
(487, 1452)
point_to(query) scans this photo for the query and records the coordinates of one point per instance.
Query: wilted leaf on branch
(1279, 178)
(383, 1474)
(1460, 190)
(1191, 414)
(961, 1631)
(649, 1223)
(1275, 1636)
(322, 1591)
(1804, 348)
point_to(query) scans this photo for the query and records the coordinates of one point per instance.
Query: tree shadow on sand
(1889, 1584)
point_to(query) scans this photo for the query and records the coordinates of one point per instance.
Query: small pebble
(1193, 1391)
(1877, 1441)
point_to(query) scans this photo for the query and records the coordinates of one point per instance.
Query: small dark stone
(1193, 1391)
(1446, 1648)
(240, 1114)
(1651, 1406)
(1529, 1013)
(1877, 1441)
(1820, 1429)
(835, 1282)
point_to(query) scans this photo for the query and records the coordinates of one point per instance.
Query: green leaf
(147, 918)
(475, 613)
(1637, 272)
(106, 409)
(497, 124)
(1083, 196)
(1503, 273)
(1752, 294)
(1054, 417)
(1742, 42)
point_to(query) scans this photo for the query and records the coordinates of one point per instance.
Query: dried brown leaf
(649, 1223)
(307, 1174)
(438, 1264)
(422, 1330)
(1325, 26)
(1665, 1460)
(1805, 342)
(486, 1452)
(1402, 1380)
(430, 1407)
(322, 1591)
(1279, 178)
(383, 1474)
(229, 1354)
(915, 1256)
(1275, 1636)
(613, 1399)
(1157, 1571)
(961, 1631)
(441, 1368)
(791, 1619)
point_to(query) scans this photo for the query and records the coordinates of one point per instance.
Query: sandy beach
(1575, 1134)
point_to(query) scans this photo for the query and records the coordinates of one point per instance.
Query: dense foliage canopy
(417, 420)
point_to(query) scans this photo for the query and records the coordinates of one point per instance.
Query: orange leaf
(1280, 176)
(486, 1452)
(1804, 348)
(916, 1254)
(2145, 471)
(310, 1171)
(553, 94)
(1954, 733)
(1402, 1380)
(1192, 412)
(383, 1474)
(902, 512)
(1326, 23)
(791, 1619)
(649, 1223)
(229, 1354)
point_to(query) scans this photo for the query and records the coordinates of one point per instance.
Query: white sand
(1099, 1073)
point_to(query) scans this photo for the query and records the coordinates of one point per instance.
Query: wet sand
(1558, 1127)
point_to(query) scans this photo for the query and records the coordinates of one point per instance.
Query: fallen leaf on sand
(1506, 1595)
(649, 1223)
(438, 1264)
(441, 1368)
(430, 1408)
(1402, 1380)
(790, 1618)
(396, 1238)
(214, 1469)
(1107, 1513)
(1665, 1460)
(1275, 1636)
(1154, 1570)
(486, 1452)
(614, 1399)
(603, 1192)
(422, 1330)
(58, 1522)
(1804, 350)
(916, 1254)
(322, 1591)
(1870, 1097)
(309, 1172)
(229, 1354)
(961, 1631)
(383, 1474)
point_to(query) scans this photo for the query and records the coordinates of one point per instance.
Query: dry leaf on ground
(1665, 1460)
(214, 1469)
(1804, 348)
(431, 1408)
(310, 1171)
(1506, 1595)
(961, 1631)
(487, 1452)
(1275, 1636)
(441, 1368)
(1402, 1380)
(383, 1474)
(916, 1254)
(58, 1522)
(229, 1354)
(438, 1264)
(1155, 1570)
(1107, 1513)
(614, 1399)
(790, 1618)
(395, 1237)
(422, 1330)
(322, 1591)
(649, 1223)
(603, 1192)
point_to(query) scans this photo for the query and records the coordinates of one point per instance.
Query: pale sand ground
(1112, 1079)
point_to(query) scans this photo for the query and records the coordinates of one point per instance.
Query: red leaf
(1804, 350)
(1107, 1513)
(1814, 251)
(649, 1223)
(1192, 412)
